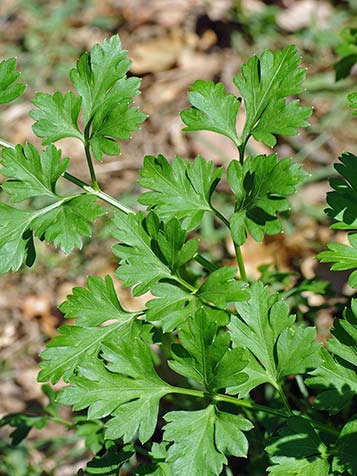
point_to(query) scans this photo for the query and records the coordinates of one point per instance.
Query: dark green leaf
(31, 174)
(336, 375)
(111, 461)
(264, 84)
(92, 307)
(261, 186)
(266, 330)
(56, 116)
(202, 438)
(181, 190)
(221, 287)
(9, 88)
(204, 355)
(343, 257)
(127, 388)
(298, 451)
(345, 451)
(149, 250)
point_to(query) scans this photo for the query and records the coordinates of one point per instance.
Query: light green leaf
(352, 98)
(97, 72)
(212, 110)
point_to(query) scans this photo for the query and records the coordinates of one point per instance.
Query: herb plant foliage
(218, 335)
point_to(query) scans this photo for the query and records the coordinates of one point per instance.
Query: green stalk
(110, 200)
(238, 251)
(251, 406)
(89, 157)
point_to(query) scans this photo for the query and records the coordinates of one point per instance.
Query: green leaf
(343, 199)
(343, 257)
(336, 375)
(16, 237)
(92, 306)
(212, 110)
(56, 116)
(264, 84)
(127, 388)
(298, 451)
(97, 72)
(111, 461)
(31, 174)
(221, 287)
(95, 304)
(67, 221)
(204, 354)
(352, 98)
(180, 190)
(266, 329)
(23, 424)
(202, 438)
(150, 251)
(158, 467)
(345, 451)
(171, 307)
(9, 88)
(100, 80)
(261, 186)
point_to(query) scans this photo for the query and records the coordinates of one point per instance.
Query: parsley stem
(89, 157)
(252, 406)
(99, 193)
(237, 249)
(108, 199)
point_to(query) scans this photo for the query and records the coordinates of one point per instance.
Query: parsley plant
(186, 406)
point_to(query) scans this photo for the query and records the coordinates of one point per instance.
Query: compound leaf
(264, 84)
(261, 186)
(202, 438)
(10, 89)
(180, 190)
(212, 110)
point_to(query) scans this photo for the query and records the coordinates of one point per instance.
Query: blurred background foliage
(172, 43)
